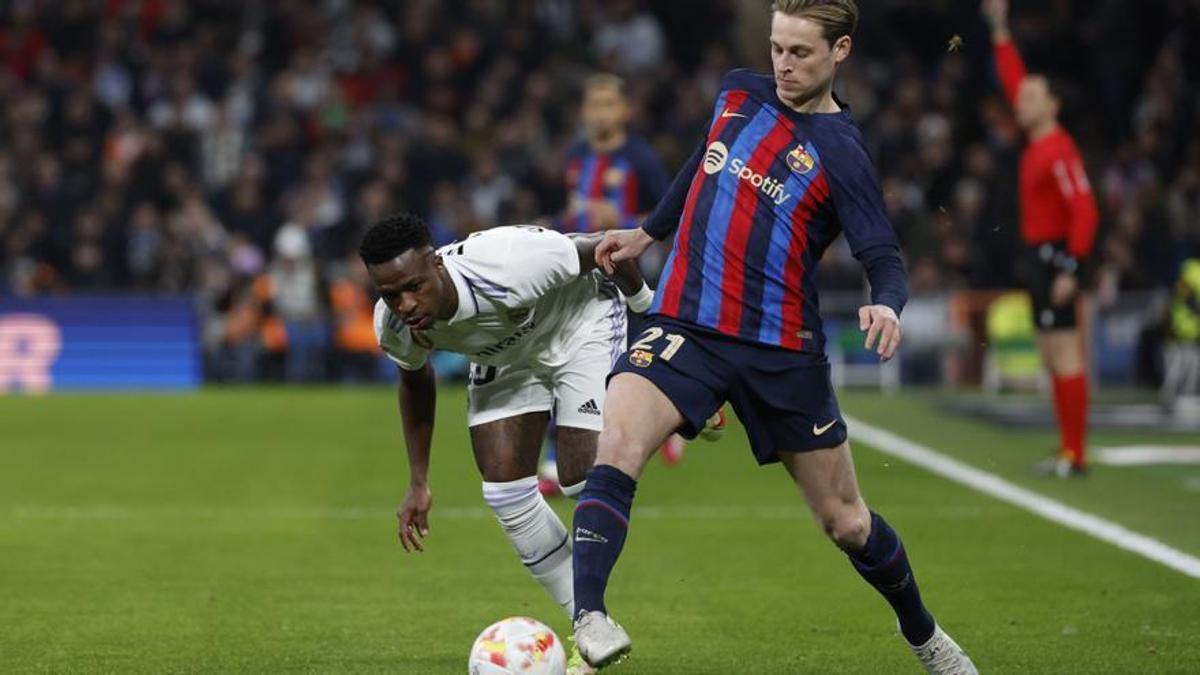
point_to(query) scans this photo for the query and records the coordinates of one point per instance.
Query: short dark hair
(392, 236)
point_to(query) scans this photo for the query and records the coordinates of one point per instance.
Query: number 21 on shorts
(641, 354)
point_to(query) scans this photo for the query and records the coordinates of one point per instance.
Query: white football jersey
(521, 299)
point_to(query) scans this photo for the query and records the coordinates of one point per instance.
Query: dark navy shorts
(784, 399)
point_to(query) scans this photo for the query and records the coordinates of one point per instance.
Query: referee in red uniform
(1058, 227)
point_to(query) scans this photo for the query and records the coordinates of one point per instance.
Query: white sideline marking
(1141, 455)
(994, 486)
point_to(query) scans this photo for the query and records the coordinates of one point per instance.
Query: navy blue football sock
(884, 564)
(601, 522)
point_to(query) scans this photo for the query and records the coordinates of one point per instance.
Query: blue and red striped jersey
(631, 177)
(757, 205)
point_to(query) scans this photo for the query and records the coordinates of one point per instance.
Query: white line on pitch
(1142, 455)
(994, 486)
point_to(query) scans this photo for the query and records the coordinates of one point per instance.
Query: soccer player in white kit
(542, 327)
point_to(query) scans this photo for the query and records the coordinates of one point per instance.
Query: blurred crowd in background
(235, 151)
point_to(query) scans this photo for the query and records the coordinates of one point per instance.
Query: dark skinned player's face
(413, 285)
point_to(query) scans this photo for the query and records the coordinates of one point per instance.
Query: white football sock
(573, 491)
(537, 534)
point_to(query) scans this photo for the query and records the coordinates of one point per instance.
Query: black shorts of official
(1040, 272)
(784, 398)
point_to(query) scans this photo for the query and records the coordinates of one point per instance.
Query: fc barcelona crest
(799, 161)
(641, 358)
(614, 178)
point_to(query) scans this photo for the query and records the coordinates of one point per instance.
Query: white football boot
(601, 641)
(941, 655)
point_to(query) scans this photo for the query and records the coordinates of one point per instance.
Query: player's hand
(882, 326)
(1062, 292)
(619, 245)
(995, 12)
(413, 515)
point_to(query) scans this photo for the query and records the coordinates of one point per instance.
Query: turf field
(252, 531)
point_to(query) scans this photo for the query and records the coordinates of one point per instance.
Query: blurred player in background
(1058, 225)
(784, 170)
(541, 328)
(613, 178)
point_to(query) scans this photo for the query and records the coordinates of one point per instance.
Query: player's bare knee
(847, 528)
(622, 449)
(613, 440)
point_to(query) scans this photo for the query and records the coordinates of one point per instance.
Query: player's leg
(637, 419)
(830, 487)
(1061, 346)
(827, 479)
(790, 413)
(1063, 354)
(576, 456)
(508, 411)
(671, 380)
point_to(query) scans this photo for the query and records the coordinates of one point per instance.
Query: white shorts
(573, 392)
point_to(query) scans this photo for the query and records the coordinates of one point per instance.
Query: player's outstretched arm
(1009, 65)
(995, 12)
(418, 402)
(624, 270)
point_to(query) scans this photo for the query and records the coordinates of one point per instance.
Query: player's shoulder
(748, 80)
(839, 139)
(512, 250)
(499, 238)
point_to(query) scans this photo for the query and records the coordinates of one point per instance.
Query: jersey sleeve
(517, 265)
(858, 203)
(1076, 190)
(395, 339)
(1010, 68)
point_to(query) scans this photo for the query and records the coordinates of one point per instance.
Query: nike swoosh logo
(727, 113)
(590, 540)
(817, 431)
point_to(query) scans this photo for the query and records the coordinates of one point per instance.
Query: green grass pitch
(253, 531)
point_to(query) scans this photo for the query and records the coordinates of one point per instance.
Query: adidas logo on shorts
(590, 408)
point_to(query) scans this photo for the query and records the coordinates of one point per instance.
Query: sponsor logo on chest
(717, 159)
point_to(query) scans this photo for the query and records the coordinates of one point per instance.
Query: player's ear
(841, 48)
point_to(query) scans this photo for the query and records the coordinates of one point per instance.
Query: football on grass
(517, 646)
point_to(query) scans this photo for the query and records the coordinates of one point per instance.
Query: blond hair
(836, 17)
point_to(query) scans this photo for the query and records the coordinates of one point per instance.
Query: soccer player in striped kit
(783, 171)
(613, 178)
(1058, 226)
